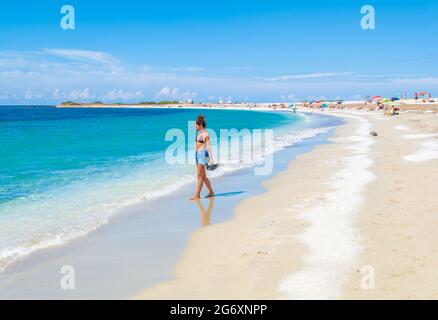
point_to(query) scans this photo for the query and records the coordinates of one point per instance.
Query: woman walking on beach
(203, 158)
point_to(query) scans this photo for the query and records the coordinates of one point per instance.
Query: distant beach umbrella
(375, 98)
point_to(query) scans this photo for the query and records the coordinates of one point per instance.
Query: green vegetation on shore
(160, 102)
(72, 103)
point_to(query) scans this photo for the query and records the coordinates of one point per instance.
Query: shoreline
(404, 105)
(251, 254)
(315, 243)
(136, 227)
(290, 136)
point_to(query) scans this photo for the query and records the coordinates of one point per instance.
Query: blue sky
(242, 50)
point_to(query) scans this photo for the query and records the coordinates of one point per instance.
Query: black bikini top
(200, 140)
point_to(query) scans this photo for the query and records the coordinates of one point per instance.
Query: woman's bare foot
(196, 197)
(210, 195)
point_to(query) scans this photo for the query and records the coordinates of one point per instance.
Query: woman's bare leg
(200, 169)
(208, 185)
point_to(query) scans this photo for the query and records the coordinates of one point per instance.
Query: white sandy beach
(202, 153)
(356, 208)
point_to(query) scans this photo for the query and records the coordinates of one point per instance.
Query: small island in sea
(74, 104)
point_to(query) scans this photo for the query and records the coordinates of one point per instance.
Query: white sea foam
(403, 127)
(73, 211)
(428, 151)
(331, 236)
(420, 135)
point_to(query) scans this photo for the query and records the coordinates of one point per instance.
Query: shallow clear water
(64, 172)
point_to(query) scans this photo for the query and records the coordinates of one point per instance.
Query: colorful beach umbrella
(377, 98)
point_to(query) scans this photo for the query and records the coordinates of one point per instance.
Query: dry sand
(352, 203)
(399, 220)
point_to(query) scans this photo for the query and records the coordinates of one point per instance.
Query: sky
(240, 50)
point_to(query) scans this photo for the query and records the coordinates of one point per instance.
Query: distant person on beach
(204, 156)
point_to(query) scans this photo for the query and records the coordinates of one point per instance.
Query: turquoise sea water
(64, 172)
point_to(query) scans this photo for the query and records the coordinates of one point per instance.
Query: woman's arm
(207, 140)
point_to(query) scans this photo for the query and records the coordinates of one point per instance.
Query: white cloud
(57, 94)
(4, 95)
(356, 97)
(69, 69)
(187, 69)
(80, 94)
(86, 95)
(166, 92)
(123, 95)
(146, 68)
(427, 81)
(82, 55)
(289, 96)
(308, 76)
(240, 68)
(12, 73)
(174, 93)
(29, 95)
(75, 94)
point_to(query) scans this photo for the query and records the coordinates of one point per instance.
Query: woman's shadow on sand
(228, 194)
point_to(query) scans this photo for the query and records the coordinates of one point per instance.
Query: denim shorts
(202, 157)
